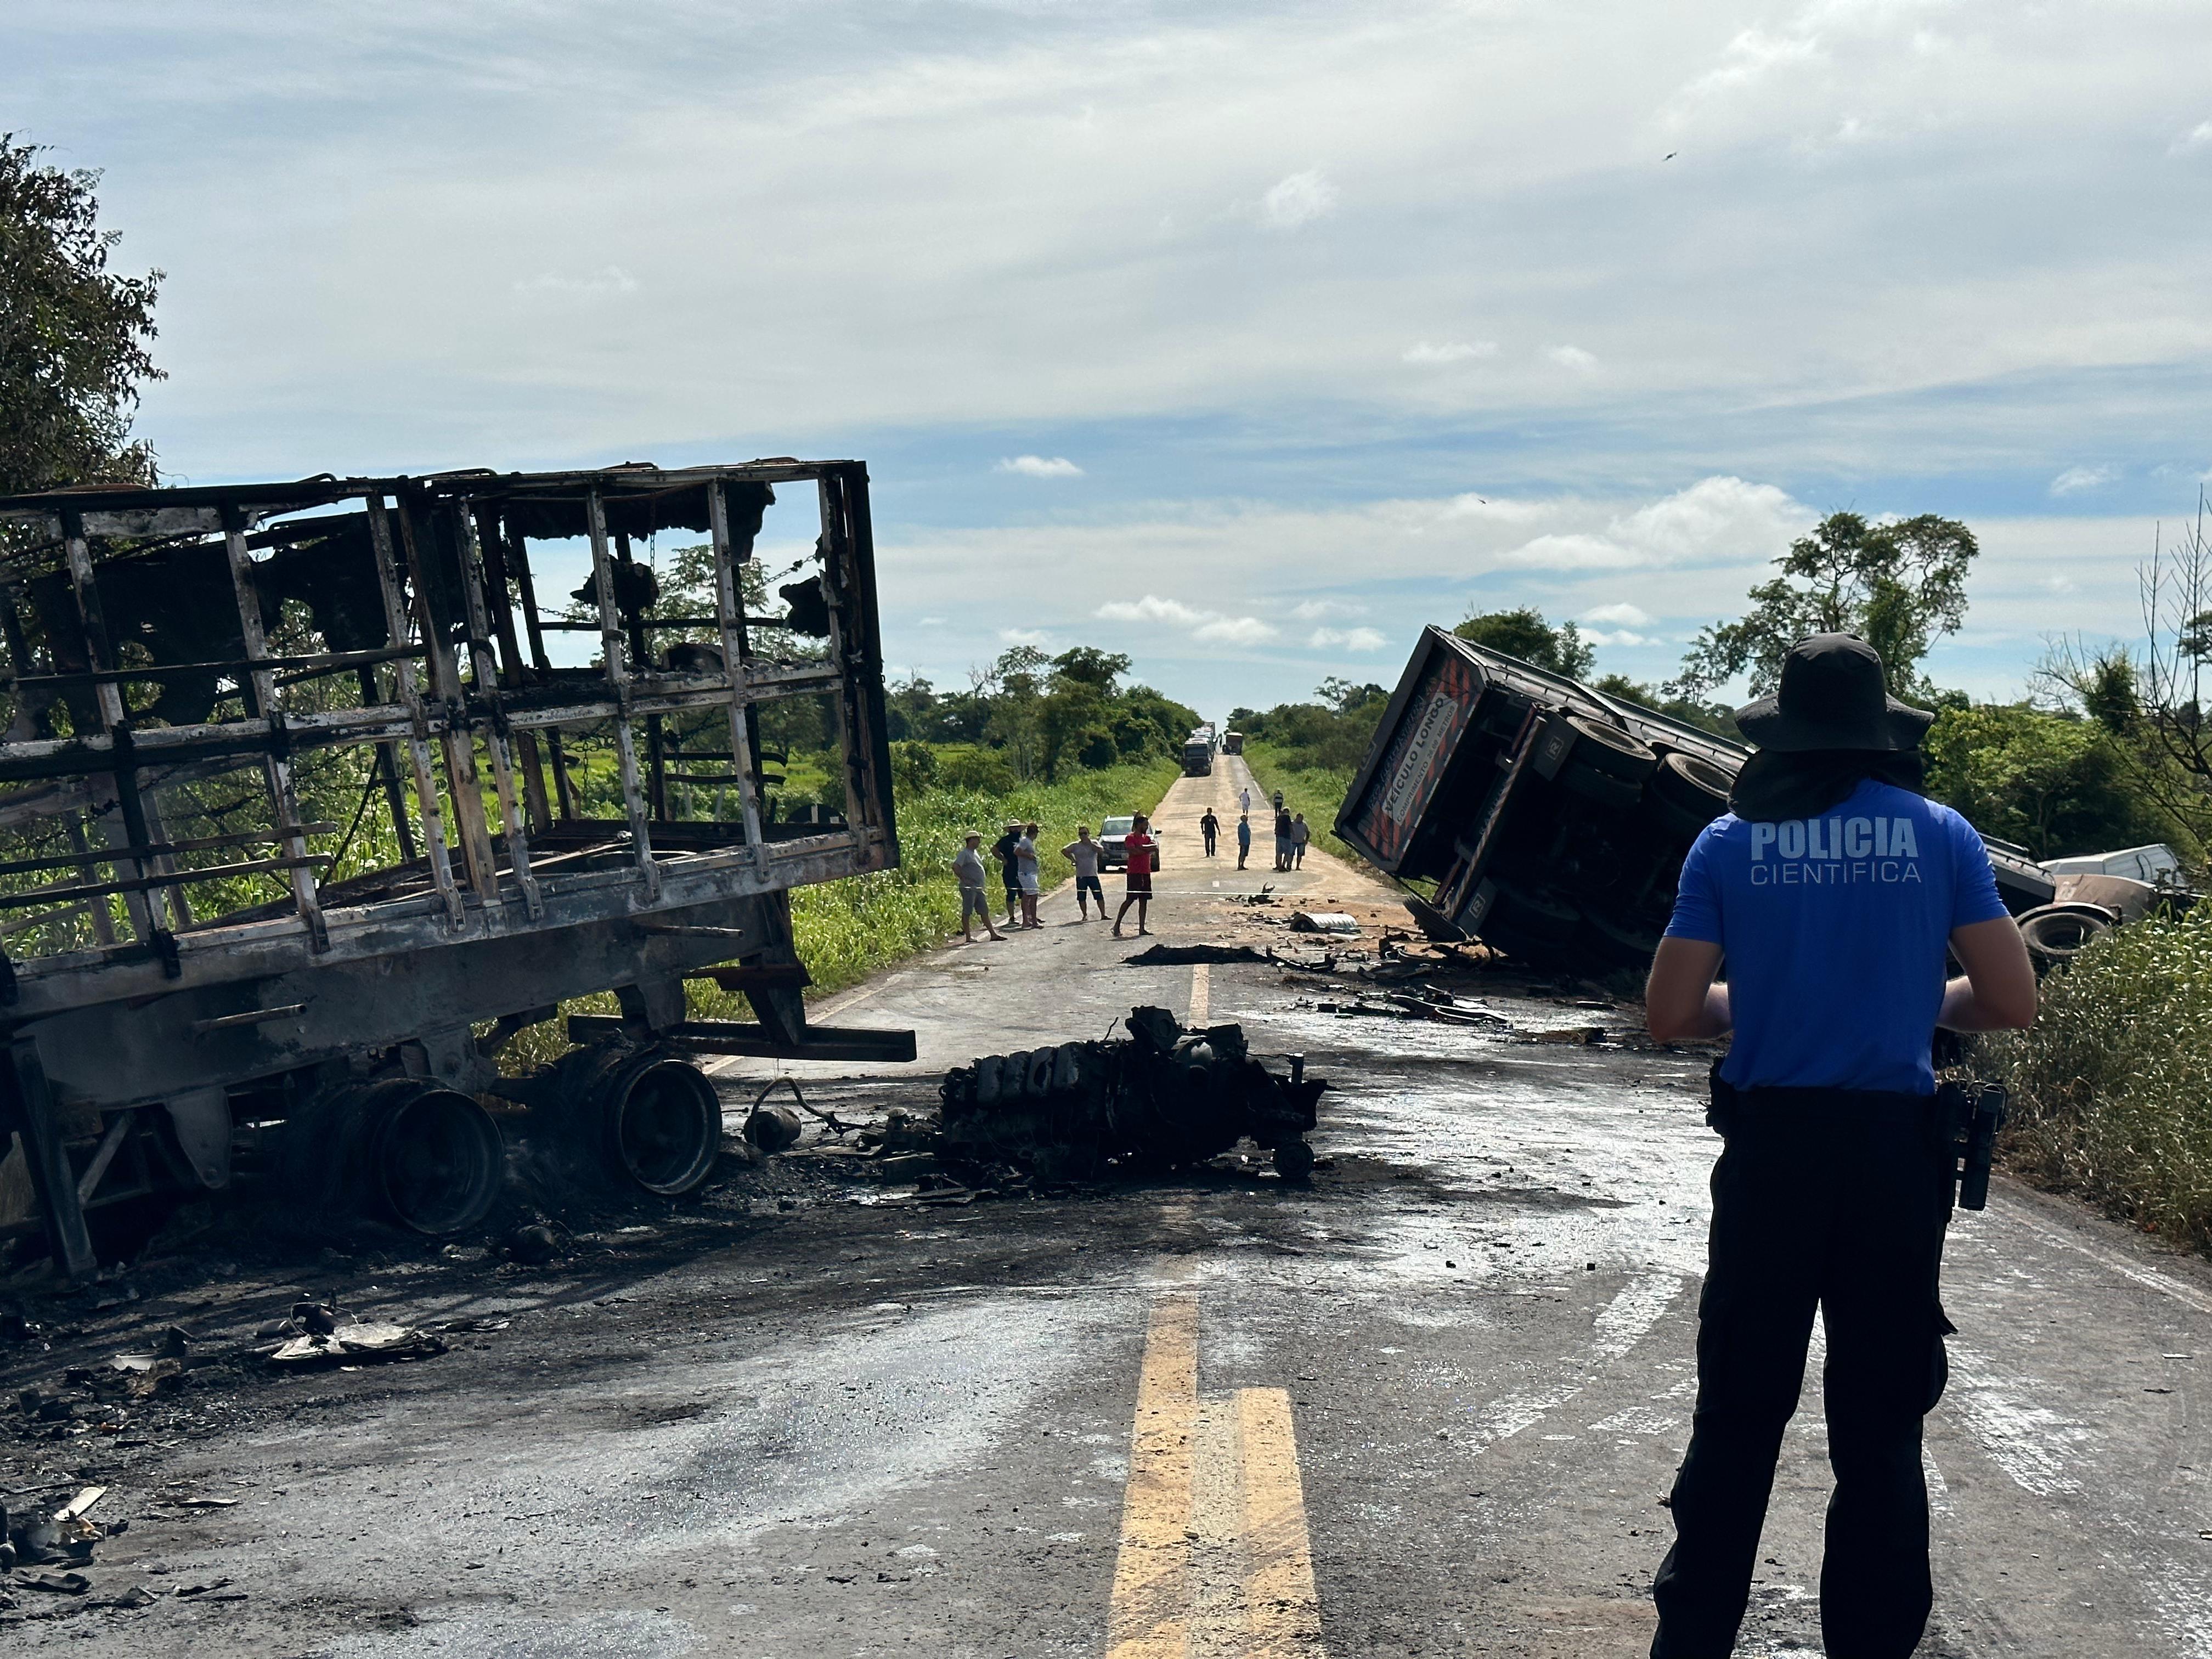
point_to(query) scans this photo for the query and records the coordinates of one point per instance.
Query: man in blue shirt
(1831, 890)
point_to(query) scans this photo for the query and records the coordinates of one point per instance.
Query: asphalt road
(1429, 1405)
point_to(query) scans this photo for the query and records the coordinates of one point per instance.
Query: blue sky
(1244, 339)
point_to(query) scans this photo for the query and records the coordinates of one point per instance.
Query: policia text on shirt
(1831, 890)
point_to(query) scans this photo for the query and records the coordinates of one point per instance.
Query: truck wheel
(2056, 934)
(403, 1150)
(1537, 928)
(1609, 750)
(436, 1157)
(1687, 794)
(662, 1124)
(1604, 789)
(1626, 944)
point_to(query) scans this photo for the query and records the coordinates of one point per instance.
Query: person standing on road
(1245, 800)
(1244, 838)
(1282, 835)
(1083, 853)
(1209, 827)
(974, 901)
(1299, 836)
(1010, 870)
(1025, 863)
(1137, 848)
(1831, 889)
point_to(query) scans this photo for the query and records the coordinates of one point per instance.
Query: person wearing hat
(1005, 849)
(1831, 890)
(974, 904)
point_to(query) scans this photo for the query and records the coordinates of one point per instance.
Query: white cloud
(1718, 520)
(1209, 627)
(2198, 137)
(610, 279)
(1235, 630)
(1299, 199)
(1039, 466)
(1451, 351)
(1036, 638)
(1630, 616)
(1615, 636)
(931, 621)
(1572, 356)
(1315, 610)
(1152, 608)
(2076, 479)
(1352, 639)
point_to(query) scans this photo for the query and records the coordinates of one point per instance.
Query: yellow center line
(1285, 1611)
(1149, 1617)
(1216, 1561)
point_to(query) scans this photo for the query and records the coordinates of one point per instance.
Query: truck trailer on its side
(304, 815)
(1554, 819)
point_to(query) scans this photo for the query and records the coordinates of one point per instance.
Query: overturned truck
(1554, 819)
(309, 805)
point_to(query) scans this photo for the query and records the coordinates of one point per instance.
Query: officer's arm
(1998, 991)
(1680, 1000)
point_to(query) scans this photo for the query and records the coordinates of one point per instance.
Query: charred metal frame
(506, 900)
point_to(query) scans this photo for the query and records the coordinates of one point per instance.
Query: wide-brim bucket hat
(1833, 695)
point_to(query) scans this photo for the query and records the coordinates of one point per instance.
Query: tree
(1345, 698)
(1091, 666)
(1710, 716)
(73, 334)
(1525, 634)
(1899, 587)
(2151, 704)
(2055, 782)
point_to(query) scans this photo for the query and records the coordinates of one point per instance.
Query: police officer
(1831, 890)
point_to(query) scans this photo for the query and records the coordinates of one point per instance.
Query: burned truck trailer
(311, 801)
(1554, 819)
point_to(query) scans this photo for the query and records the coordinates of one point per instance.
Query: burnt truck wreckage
(1552, 818)
(1164, 1097)
(203, 977)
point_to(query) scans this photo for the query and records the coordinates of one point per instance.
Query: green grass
(2112, 1085)
(1315, 791)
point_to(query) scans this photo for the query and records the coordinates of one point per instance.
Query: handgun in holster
(1971, 1114)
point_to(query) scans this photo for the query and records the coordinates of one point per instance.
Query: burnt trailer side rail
(1552, 819)
(230, 652)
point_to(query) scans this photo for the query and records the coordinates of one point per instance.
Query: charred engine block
(1161, 1097)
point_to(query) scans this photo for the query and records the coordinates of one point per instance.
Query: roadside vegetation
(2112, 1087)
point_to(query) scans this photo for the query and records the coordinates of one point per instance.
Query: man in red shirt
(1137, 845)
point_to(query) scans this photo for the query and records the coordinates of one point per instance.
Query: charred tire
(660, 1123)
(2058, 933)
(1625, 946)
(1687, 794)
(1537, 928)
(1603, 789)
(436, 1158)
(1294, 1161)
(1609, 751)
(406, 1150)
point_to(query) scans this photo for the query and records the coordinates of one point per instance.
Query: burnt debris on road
(1162, 1099)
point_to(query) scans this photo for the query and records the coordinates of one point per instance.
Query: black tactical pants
(1839, 1200)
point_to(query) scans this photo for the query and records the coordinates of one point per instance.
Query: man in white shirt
(974, 901)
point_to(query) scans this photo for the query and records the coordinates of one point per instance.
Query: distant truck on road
(1554, 819)
(1232, 743)
(1197, 756)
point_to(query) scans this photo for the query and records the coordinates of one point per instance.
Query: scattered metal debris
(1162, 1098)
(358, 1344)
(1324, 921)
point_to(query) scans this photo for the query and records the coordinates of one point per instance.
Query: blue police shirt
(1833, 931)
